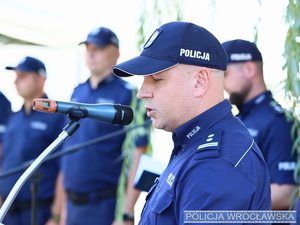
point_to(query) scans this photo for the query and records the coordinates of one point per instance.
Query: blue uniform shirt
(267, 124)
(25, 139)
(98, 166)
(5, 112)
(215, 165)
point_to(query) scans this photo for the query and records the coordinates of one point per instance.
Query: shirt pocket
(34, 143)
(162, 208)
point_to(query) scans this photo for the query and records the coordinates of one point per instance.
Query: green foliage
(292, 82)
(255, 28)
(152, 16)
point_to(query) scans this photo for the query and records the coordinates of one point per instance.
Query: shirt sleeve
(277, 146)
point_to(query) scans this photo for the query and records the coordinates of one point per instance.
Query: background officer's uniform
(27, 135)
(25, 139)
(297, 208)
(215, 165)
(266, 122)
(91, 175)
(5, 112)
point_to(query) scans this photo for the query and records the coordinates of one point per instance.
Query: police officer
(28, 133)
(215, 163)
(263, 117)
(92, 174)
(5, 112)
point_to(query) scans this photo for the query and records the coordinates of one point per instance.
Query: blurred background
(51, 30)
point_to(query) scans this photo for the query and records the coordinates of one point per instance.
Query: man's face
(236, 84)
(28, 84)
(100, 59)
(167, 96)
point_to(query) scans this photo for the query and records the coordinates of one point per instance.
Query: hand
(128, 223)
(121, 223)
(51, 222)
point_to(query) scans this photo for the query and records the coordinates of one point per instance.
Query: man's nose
(145, 91)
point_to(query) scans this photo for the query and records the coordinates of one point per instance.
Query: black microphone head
(124, 115)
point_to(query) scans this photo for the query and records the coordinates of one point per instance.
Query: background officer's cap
(102, 37)
(239, 50)
(29, 64)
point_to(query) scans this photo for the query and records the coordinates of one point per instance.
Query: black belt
(18, 206)
(85, 198)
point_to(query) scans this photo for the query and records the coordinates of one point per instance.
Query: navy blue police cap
(102, 37)
(29, 64)
(239, 50)
(174, 43)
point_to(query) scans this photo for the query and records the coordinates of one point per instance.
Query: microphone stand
(67, 132)
(34, 186)
(59, 154)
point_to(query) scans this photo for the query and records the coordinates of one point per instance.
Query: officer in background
(297, 207)
(263, 117)
(92, 175)
(215, 163)
(29, 133)
(5, 112)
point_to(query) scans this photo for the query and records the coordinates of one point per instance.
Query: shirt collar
(185, 134)
(105, 81)
(258, 100)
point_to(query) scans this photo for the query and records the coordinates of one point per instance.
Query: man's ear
(201, 81)
(249, 69)
(41, 81)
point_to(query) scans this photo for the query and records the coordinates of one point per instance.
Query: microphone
(110, 113)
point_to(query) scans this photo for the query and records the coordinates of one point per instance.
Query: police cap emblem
(152, 38)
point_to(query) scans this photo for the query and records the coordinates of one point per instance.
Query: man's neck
(28, 106)
(255, 91)
(96, 79)
(28, 102)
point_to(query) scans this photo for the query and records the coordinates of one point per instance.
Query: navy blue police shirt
(26, 137)
(5, 112)
(266, 122)
(97, 167)
(215, 165)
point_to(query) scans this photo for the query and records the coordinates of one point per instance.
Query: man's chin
(156, 124)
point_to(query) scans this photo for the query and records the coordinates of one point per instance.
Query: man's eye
(157, 79)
